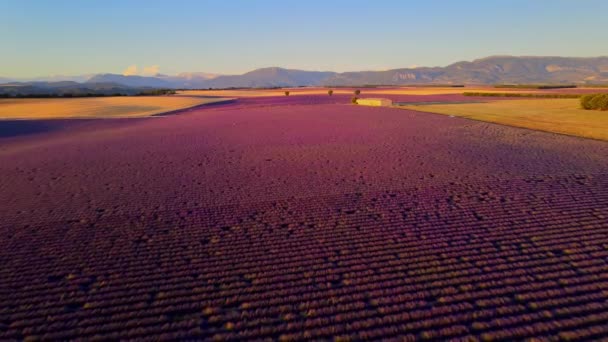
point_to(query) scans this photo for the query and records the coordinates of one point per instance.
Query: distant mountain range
(271, 77)
(70, 88)
(54, 78)
(490, 70)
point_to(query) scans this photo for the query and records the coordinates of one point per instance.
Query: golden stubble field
(563, 116)
(369, 91)
(97, 107)
(339, 91)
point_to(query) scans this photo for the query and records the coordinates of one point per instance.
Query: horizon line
(91, 74)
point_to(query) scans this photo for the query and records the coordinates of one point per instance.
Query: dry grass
(551, 115)
(433, 90)
(262, 92)
(337, 91)
(370, 91)
(97, 107)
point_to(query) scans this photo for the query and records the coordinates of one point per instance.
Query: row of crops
(366, 265)
(306, 221)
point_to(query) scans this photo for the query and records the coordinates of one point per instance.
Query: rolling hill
(489, 70)
(271, 77)
(68, 88)
(131, 81)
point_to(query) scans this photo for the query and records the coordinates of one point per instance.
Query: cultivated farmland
(336, 91)
(302, 217)
(97, 107)
(380, 91)
(552, 115)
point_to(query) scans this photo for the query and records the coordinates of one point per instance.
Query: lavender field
(301, 217)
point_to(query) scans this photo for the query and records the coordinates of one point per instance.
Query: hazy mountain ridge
(271, 77)
(68, 88)
(53, 78)
(197, 75)
(489, 70)
(131, 81)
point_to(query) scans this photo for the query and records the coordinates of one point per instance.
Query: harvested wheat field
(302, 218)
(337, 91)
(97, 107)
(563, 116)
(377, 91)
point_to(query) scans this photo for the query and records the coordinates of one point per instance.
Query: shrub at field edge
(595, 102)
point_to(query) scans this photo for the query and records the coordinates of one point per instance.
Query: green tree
(600, 102)
(595, 101)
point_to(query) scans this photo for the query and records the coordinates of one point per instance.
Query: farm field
(302, 217)
(337, 91)
(563, 116)
(96, 107)
(381, 91)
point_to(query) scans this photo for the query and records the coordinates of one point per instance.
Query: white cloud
(151, 70)
(145, 71)
(130, 71)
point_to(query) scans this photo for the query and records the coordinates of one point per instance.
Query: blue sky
(80, 37)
